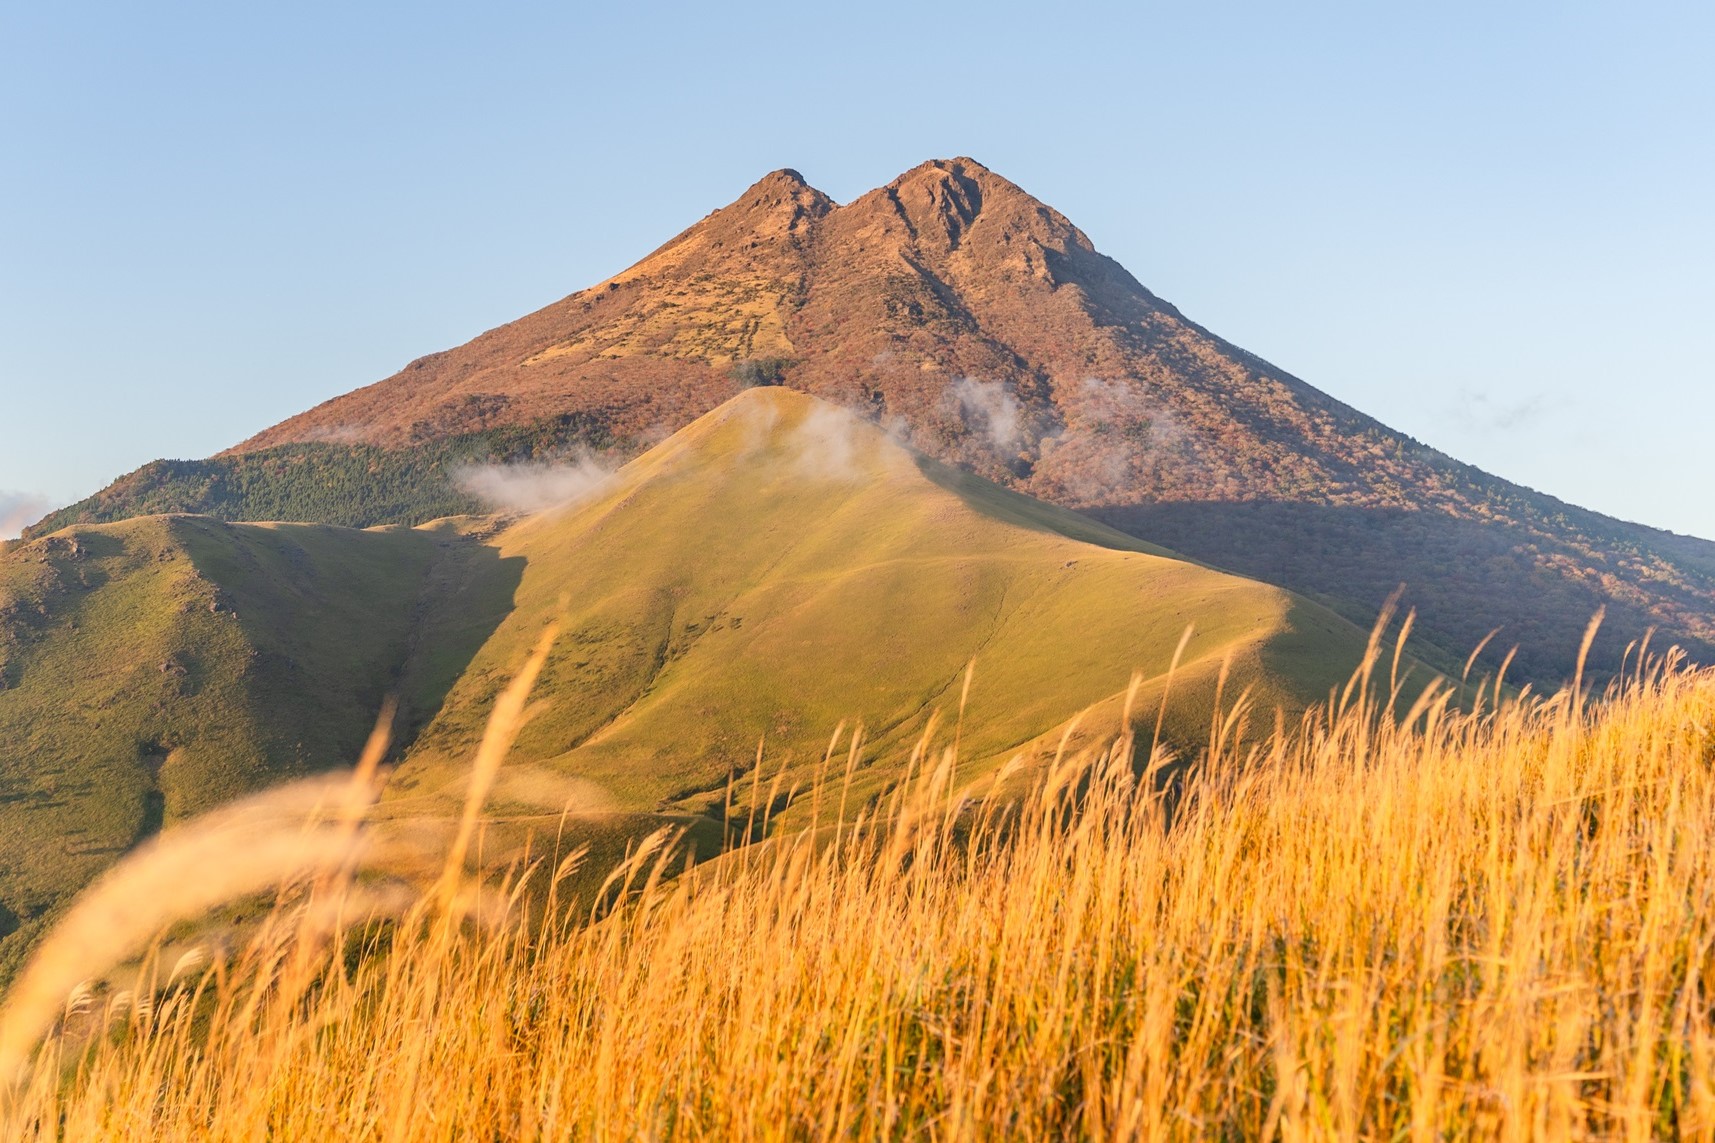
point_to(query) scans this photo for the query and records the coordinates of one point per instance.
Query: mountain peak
(961, 175)
(780, 207)
(783, 188)
(941, 200)
(955, 304)
(959, 166)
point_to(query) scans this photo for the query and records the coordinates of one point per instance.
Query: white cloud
(992, 411)
(18, 510)
(535, 486)
(828, 443)
(824, 445)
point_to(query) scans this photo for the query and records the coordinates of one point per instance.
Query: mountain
(774, 569)
(986, 329)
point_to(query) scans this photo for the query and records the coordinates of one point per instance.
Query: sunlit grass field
(1494, 919)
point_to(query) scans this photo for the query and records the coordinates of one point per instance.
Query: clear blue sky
(1490, 225)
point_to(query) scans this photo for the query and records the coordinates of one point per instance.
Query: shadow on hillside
(1021, 511)
(1464, 578)
(470, 594)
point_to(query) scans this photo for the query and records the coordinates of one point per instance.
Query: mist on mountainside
(18, 510)
(534, 485)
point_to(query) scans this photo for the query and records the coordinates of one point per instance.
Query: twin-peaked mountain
(983, 328)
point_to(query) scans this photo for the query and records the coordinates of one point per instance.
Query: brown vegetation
(1495, 923)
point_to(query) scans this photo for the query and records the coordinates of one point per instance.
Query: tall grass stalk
(1496, 922)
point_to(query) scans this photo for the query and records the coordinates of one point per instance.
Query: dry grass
(1497, 923)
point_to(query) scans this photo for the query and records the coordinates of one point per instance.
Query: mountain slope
(352, 485)
(781, 566)
(987, 327)
(774, 569)
(153, 669)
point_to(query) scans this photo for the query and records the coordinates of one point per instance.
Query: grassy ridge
(775, 568)
(1540, 567)
(1496, 924)
(153, 669)
(779, 566)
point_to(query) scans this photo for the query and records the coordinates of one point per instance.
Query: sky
(1488, 225)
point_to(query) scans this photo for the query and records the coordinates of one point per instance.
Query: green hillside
(781, 566)
(152, 669)
(773, 570)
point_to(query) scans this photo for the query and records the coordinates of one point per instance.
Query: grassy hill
(773, 570)
(153, 669)
(781, 566)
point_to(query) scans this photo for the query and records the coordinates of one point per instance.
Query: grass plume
(1494, 922)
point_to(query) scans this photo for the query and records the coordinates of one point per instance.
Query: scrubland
(1493, 918)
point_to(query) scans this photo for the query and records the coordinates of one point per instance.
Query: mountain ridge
(780, 564)
(987, 329)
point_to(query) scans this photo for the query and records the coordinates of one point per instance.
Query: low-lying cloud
(535, 485)
(1096, 440)
(991, 411)
(825, 444)
(829, 443)
(18, 510)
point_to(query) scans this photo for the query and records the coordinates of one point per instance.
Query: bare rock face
(988, 331)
